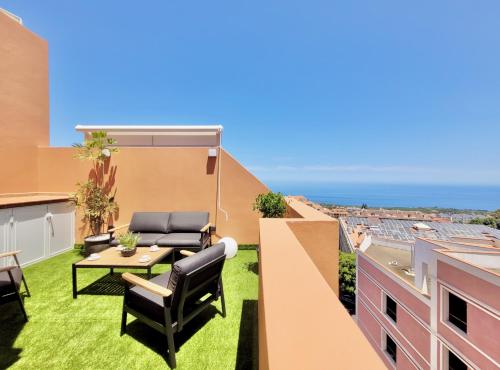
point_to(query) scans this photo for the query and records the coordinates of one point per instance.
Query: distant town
(416, 279)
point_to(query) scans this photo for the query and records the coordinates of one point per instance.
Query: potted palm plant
(128, 243)
(96, 197)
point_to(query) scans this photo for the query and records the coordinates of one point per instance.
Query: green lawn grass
(84, 333)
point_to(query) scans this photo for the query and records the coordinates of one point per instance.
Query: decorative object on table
(231, 247)
(270, 205)
(154, 248)
(144, 258)
(95, 197)
(93, 257)
(129, 242)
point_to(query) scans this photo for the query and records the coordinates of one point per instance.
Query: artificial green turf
(84, 333)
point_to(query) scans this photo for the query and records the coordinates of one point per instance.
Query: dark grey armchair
(169, 301)
(11, 278)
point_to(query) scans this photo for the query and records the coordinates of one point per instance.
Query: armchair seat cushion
(146, 240)
(148, 303)
(6, 284)
(180, 240)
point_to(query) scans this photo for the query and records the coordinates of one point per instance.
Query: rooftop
(405, 230)
(484, 260)
(398, 261)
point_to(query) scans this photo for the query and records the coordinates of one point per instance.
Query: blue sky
(346, 91)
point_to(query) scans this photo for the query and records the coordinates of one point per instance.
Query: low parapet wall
(302, 324)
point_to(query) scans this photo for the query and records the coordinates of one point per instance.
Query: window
(390, 347)
(454, 363)
(457, 312)
(391, 308)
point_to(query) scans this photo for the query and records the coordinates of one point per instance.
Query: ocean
(397, 195)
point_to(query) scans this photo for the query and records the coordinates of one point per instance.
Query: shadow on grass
(109, 285)
(157, 342)
(253, 267)
(11, 324)
(247, 357)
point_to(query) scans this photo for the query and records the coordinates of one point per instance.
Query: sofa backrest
(195, 276)
(187, 221)
(149, 222)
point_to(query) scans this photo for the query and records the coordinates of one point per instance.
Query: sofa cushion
(180, 240)
(146, 239)
(5, 282)
(146, 302)
(187, 221)
(149, 222)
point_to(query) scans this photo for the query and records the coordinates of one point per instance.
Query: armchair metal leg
(124, 322)
(19, 299)
(222, 299)
(171, 347)
(26, 287)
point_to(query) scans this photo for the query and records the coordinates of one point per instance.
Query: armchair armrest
(187, 253)
(7, 268)
(118, 228)
(7, 254)
(149, 286)
(205, 228)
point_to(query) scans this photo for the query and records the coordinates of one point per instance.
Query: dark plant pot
(128, 252)
(96, 244)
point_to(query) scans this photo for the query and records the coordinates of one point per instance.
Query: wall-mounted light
(212, 153)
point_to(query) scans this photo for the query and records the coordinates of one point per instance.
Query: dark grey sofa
(181, 230)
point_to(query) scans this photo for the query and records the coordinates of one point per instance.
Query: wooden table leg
(149, 273)
(111, 271)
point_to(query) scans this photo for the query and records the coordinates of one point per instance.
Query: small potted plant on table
(128, 242)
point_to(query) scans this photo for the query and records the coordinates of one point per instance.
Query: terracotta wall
(24, 86)
(238, 190)
(169, 179)
(302, 324)
(19, 166)
(320, 240)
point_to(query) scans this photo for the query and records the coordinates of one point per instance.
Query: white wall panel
(29, 233)
(60, 227)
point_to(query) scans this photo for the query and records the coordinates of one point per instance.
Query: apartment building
(434, 305)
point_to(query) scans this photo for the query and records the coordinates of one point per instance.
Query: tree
(347, 273)
(364, 206)
(487, 221)
(270, 205)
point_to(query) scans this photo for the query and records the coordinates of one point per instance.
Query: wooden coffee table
(112, 258)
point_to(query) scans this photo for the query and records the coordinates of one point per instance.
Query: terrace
(292, 281)
(67, 333)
